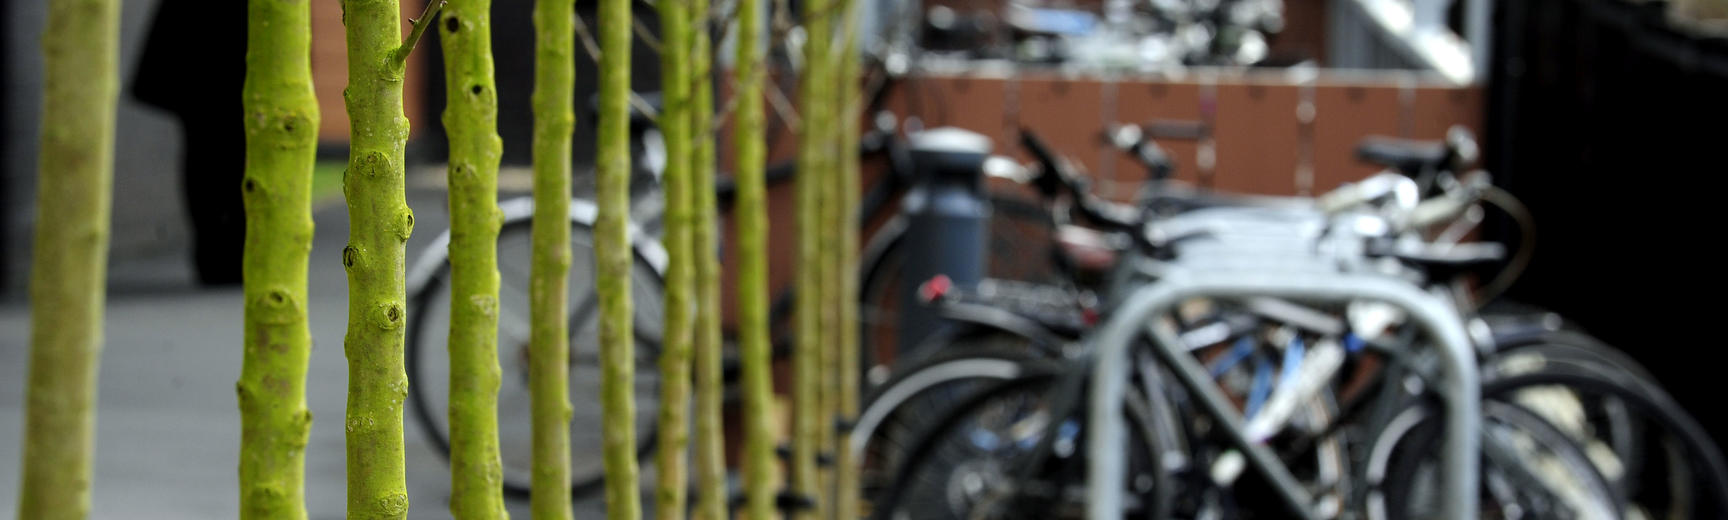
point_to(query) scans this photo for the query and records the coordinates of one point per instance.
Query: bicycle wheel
(429, 364)
(923, 392)
(990, 458)
(1656, 457)
(1529, 467)
(1015, 222)
(1603, 425)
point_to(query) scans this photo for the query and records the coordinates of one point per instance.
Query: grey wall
(149, 235)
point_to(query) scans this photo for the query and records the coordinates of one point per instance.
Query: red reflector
(935, 288)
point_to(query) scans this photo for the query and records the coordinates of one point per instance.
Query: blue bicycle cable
(1239, 352)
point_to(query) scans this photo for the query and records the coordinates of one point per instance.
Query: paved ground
(168, 429)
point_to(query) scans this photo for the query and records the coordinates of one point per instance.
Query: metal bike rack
(1458, 385)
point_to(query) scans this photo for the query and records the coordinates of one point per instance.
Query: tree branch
(400, 57)
(647, 36)
(721, 116)
(593, 50)
(642, 105)
(587, 39)
(783, 107)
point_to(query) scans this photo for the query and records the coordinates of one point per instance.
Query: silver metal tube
(1429, 15)
(1458, 384)
(1478, 15)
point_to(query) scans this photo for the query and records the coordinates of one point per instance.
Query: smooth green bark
(828, 200)
(471, 122)
(612, 255)
(751, 216)
(74, 184)
(379, 223)
(549, 340)
(835, 275)
(828, 318)
(281, 122)
(710, 437)
(674, 425)
(846, 495)
(807, 376)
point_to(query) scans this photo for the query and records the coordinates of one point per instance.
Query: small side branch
(647, 36)
(721, 116)
(400, 57)
(593, 49)
(783, 108)
(587, 40)
(643, 106)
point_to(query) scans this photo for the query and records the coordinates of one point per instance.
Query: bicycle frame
(1459, 389)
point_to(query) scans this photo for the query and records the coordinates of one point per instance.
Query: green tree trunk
(281, 146)
(807, 358)
(674, 119)
(710, 441)
(836, 223)
(834, 278)
(751, 213)
(846, 499)
(75, 180)
(471, 122)
(379, 223)
(549, 339)
(828, 320)
(612, 254)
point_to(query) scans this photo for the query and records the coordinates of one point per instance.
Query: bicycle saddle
(1408, 156)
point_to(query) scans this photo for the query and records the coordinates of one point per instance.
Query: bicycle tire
(1574, 345)
(427, 362)
(1596, 372)
(1708, 473)
(928, 387)
(927, 450)
(1395, 466)
(1607, 417)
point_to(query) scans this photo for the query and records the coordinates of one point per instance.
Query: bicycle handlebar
(1133, 139)
(1054, 177)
